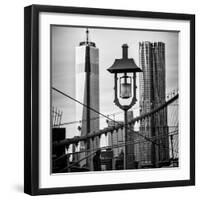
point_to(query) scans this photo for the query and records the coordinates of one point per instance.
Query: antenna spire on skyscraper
(87, 35)
(87, 42)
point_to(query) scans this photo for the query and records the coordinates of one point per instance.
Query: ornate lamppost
(127, 86)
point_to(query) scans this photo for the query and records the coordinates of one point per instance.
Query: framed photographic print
(109, 99)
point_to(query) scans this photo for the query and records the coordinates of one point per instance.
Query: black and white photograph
(114, 99)
(109, 100)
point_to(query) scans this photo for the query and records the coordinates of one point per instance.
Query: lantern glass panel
(125, 87)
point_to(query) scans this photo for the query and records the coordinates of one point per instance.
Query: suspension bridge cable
(64, 94)
(95, 118)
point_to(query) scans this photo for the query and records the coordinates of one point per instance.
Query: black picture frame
(31, 98)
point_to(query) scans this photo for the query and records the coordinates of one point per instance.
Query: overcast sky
(109, 42)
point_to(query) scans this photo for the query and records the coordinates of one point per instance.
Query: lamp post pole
(125, 138)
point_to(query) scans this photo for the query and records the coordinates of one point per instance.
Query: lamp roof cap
(125, 64)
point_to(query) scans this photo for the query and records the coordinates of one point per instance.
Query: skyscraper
(152, 94)
(87, 92)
